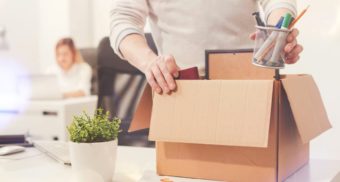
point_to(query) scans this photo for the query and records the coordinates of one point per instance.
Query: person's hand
(160, 74)
(292, 48)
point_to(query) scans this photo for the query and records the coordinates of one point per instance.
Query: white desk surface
(133, 164)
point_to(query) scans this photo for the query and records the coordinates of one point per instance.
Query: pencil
(298, 17)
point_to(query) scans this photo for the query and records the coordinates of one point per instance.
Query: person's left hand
(292, 48)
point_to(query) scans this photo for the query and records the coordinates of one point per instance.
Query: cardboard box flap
(307, 106)
(217, 112)
(142, 116)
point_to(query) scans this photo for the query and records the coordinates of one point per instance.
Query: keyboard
(55, 149)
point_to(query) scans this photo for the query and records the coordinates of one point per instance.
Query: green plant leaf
(99, 128)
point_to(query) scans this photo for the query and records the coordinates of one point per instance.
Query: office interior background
(34, 26)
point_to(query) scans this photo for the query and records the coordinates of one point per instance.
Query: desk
(45, 119)
(133, 164)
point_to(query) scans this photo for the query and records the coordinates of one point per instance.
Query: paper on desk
(151, 176)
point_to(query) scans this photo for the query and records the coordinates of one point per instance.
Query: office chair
(119, 87)
(90, 56)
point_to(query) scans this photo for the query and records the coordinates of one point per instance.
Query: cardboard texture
(217, 112)
(217, 162)
(235, 130)
(292, 152)
(234, 66)
(307, 106)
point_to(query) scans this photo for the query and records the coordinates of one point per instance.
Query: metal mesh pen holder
(269, 45)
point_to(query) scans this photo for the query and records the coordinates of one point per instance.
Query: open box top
(228, 112)
(233, 108)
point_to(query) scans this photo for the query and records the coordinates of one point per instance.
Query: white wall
(21, 21)
(81, 22)
(101, 27)
(60, 18)
(53, 24)
(320, 36)
(101, 20)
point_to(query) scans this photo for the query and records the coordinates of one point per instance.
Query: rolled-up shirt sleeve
(269, 6)
(126, 17)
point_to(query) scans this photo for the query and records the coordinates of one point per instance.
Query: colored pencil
(298, 17)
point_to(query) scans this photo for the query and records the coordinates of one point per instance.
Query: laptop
(39, 87)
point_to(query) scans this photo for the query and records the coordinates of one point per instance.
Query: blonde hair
(77, 57)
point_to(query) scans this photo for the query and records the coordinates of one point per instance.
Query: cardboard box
(234, 130)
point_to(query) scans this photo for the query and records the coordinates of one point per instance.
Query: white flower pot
(94, 158)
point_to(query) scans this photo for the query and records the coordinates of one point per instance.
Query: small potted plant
(93, 143)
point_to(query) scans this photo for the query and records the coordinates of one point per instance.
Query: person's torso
(186, 28)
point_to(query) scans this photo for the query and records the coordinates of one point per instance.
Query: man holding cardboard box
(183, 30)
(241, 125)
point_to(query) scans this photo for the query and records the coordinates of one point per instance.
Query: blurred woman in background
(73, 73)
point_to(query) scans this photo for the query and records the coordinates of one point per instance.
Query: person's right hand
(160, 74)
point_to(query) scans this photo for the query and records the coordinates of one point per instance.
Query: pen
(259, 22)
(279, 23)
(281, 39)
(258, 19)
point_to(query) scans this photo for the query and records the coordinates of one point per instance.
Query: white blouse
(75, 79)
